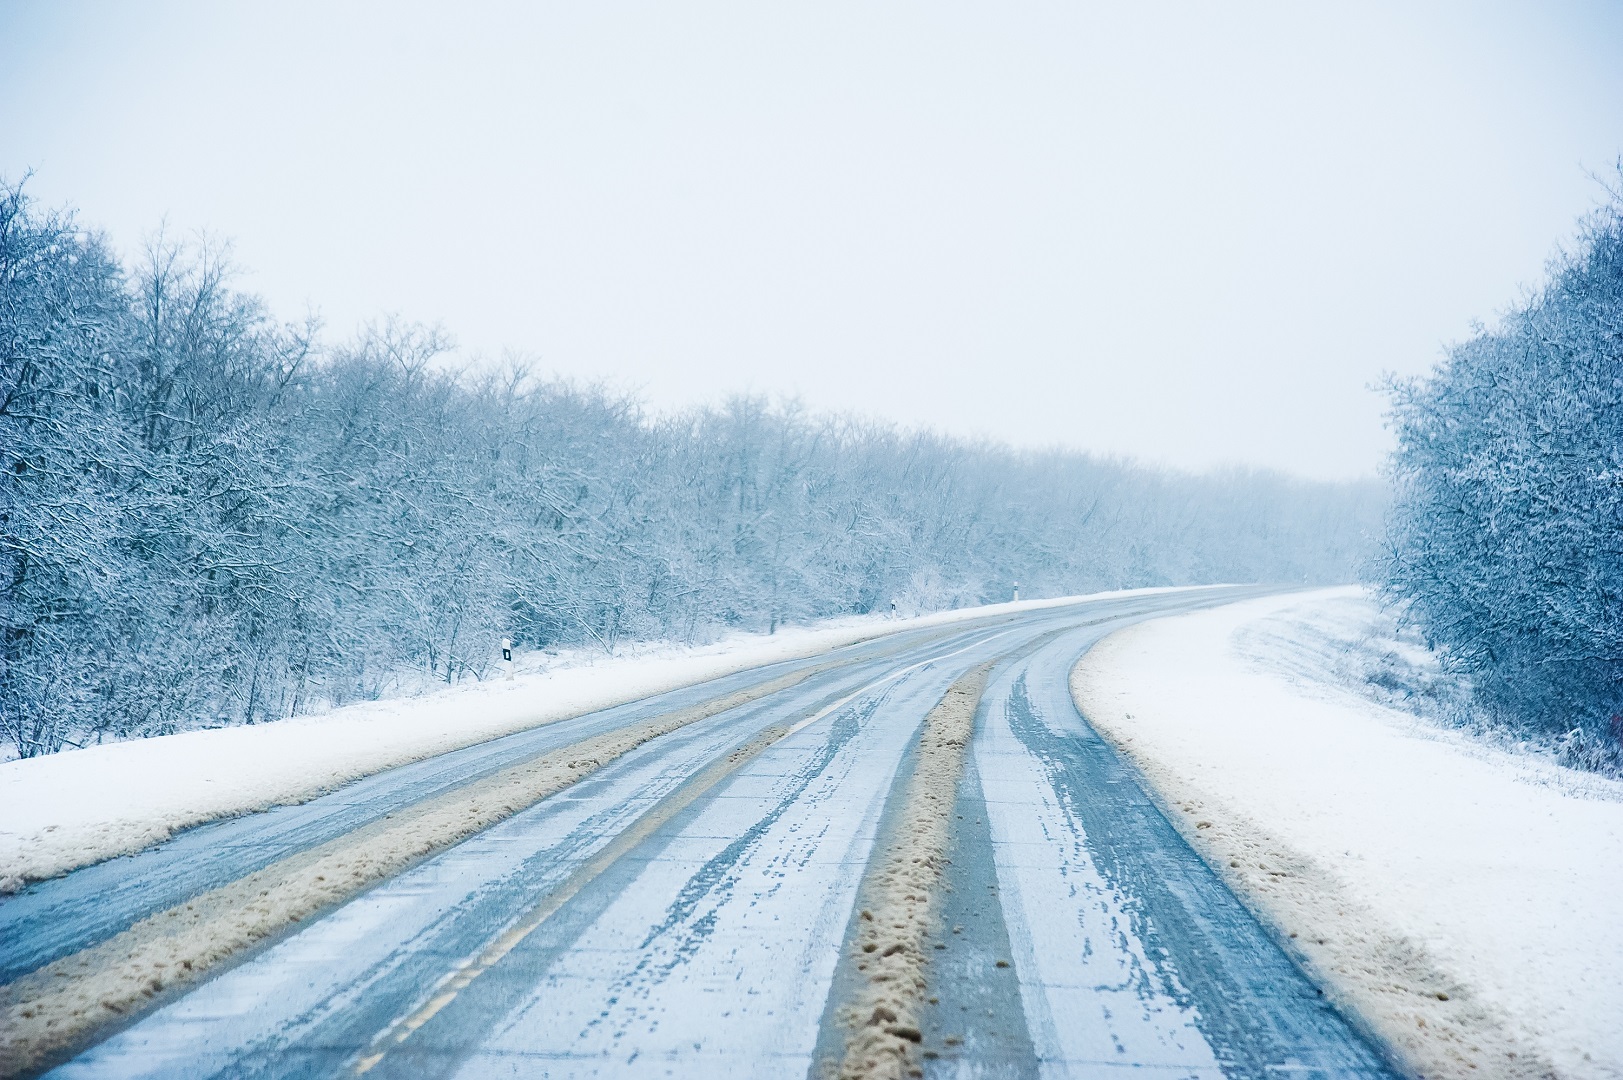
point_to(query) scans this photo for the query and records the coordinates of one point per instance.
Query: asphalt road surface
(688, 909)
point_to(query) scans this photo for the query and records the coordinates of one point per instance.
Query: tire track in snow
(46, 1014)
(864, 775)
(711, 880)
(1129, 949)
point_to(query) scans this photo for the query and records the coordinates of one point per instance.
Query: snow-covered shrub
(1505, 541)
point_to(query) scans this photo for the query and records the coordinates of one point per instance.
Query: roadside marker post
(507, 656)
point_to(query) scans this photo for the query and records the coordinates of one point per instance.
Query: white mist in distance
(1191, 234)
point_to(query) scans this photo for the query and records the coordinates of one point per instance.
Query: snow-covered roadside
(82, 806)
(1463, 900)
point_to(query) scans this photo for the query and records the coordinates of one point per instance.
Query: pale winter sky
(1190, 233)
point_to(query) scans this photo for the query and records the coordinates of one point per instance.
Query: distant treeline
(208, 517)
(1506, 537)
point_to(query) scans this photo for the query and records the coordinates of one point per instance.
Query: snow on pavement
(1463, 900)
(79, 807)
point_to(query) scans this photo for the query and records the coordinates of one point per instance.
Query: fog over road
(696, 906)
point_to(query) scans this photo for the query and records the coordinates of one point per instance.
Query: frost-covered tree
(67, 465)
(1505, 543)
(209, 517)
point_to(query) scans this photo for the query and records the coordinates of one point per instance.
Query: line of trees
(1505, 539)
(208, 517)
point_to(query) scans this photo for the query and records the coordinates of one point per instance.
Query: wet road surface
(684, 911)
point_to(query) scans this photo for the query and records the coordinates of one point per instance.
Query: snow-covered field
(81, 806)
(1464, 899)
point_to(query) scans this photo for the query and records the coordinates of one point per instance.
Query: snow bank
(1463, 900)
(82, 806)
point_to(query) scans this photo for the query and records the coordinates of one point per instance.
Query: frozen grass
(1457, 895)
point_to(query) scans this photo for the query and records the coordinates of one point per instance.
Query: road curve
(696, 905)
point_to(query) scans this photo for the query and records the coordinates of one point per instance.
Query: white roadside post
(507, 656)
(1016, 592)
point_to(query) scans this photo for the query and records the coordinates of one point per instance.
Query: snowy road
(690, 908)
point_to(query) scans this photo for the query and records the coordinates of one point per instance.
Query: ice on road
(686, 910)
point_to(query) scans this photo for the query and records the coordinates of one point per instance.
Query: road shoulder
(1451, 898)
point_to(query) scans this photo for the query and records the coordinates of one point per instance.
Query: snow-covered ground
(1464, 899)
(82, 806)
